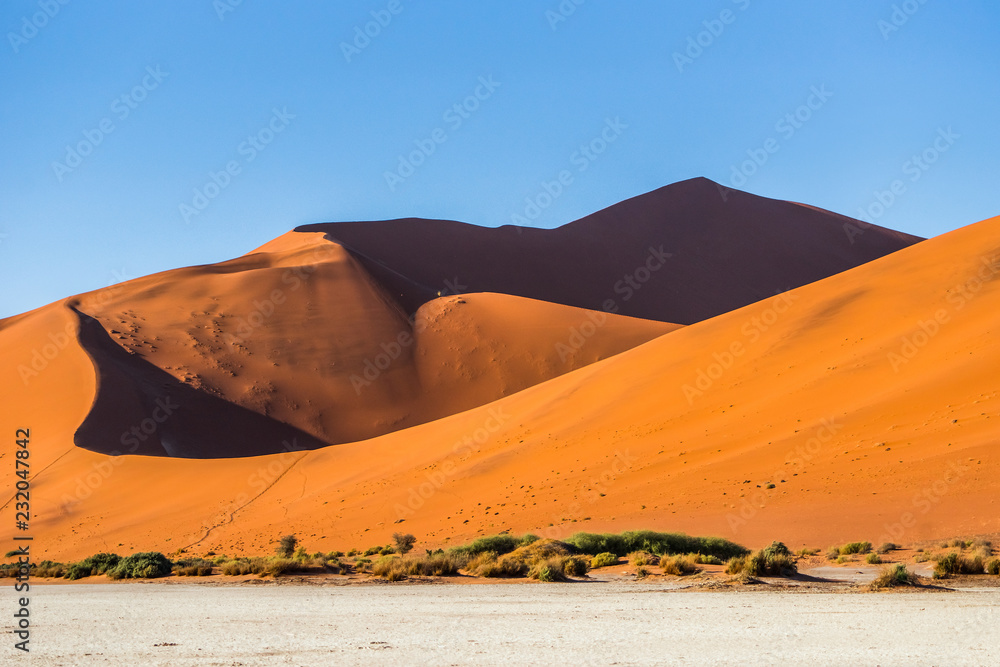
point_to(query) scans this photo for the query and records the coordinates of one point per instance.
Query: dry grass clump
(679, 565)
(544, 560)
(886, 547)
(992, 566)
(603, 559)
(892, 576)
(262, 567)
(395, 568)
(193, 567)
(642, 558)
(772, 561)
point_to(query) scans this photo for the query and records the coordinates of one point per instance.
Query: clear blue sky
(68, 226)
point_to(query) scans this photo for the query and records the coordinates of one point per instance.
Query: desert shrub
(403, 542)
(678, 565)
(658, 544)
(77, 571)
(886, 547)
(286, 546)
(372, 551)
(640, 558)
(922, 557)
(954, 563)
(102, 562)
(992, 566)
(362, 564)
(48, 568)
(193, 567)
(833, 553)
(842, 559)
(386, 551)
(334, 555)
(873, 559)
(548, 570)
(855, 548)
(805, 553)
(641, 572)
(145, 565)
(237, 567)
(603, 559)
(219, 560)
(702, 559)
(498, 544)
(352, 553)
(545, 560)
(894, 575)
(301, 554)
(774, 560)
(955, 543)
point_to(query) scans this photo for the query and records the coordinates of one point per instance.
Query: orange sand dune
(867, 399)
(683, 253)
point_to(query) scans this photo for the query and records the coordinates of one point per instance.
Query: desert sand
(866, 398)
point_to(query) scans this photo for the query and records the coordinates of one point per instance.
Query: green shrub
(371, 551)
(775, 561)
(954, 563)
(386, 551)
(78, 571)
(286, 546)
(873, 559)
(498, 544)
(855, 548)
(403, 542)
(886, 547)
(146, 565)
(301, 554)
(603, 559)
(334, 555)
(894, 575)
(655, 543)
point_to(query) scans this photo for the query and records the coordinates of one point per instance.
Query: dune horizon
(348, 379)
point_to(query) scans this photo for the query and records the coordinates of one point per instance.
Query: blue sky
(140, 137)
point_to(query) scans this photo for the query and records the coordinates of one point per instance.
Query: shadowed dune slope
(299, 348)
(726, 249)
(868, 400)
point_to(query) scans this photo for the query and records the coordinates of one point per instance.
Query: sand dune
(867, 399)
(683, 253)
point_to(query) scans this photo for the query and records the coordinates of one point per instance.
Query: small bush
(498, 544)
(641, 558)
(603, 559)
(678, 565)
(873, 559)
(805, 553)
(362, 564)
(855, 548)
(775, 561)
(193, 567)
(701, 559)
(386, 551)
(78, 571)
(922, 557)
(146, 565)
(371, 551)
(954, 563)
(334, 555)
(641, 572)
(894, 575)
(352, 553)
(886, 547)
(403, 542)
(842, 559)
(286, 546)
(992, 566)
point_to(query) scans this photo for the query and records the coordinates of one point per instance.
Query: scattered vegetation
(892, 576)
(955, 563)
(772, 561)
(657, 544)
